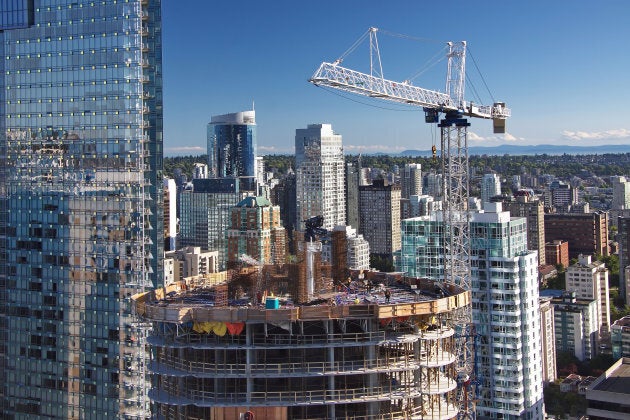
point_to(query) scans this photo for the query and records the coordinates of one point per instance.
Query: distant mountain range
(540, 149)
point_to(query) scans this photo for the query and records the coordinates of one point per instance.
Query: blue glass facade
(16, 14)
(80, 204)
(232, 145)
(205, 212)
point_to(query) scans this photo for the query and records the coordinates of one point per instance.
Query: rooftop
(623, 322)
(617, 380)
(254, 202)
(181, 302)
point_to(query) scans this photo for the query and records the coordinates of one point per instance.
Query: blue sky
(562, 67)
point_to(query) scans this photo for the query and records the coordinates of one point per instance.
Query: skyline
(558, 68)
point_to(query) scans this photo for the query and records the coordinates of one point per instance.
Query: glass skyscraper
(80, 203)
(232, 145)
(205, 212)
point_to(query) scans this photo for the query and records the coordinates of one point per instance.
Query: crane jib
(342, 78)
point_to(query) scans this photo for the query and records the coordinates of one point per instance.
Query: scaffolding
(384, 347)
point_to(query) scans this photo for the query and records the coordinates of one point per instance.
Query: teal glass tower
(80, 203)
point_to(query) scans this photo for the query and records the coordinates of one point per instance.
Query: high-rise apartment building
(320, 179)
(232, 145)
(490, 187)
(200, 170)
(621, 193)
(411, 180)
(533, 210)
(506, 314)
(80, 203)
(547, 340)
(422, 247)
(205, 212)
(419, 205)
(505, 305)
(563, 195)
(432, 184)
(255, 230)
(589, 280)
(576, 325)
(586, 233)
(379, 215)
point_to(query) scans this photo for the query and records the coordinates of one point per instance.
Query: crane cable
(437, 58)
(413, 38)
(474, 89)
(480, 74)
(353, 47)
(433, 130)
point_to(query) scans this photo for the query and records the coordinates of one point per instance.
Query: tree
(380, 263)
(618, 312)
(612, 264)
(558, 282)
(566, 363)
(612, 232)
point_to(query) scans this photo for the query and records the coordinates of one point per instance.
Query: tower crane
(451, 112)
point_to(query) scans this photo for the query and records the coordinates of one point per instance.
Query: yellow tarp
(219, 328)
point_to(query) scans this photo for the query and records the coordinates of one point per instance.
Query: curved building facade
(232, 145)
(356, 354)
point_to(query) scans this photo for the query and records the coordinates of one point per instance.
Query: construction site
(295, 341)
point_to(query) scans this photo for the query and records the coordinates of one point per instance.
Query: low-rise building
(608, 397)
(557, 252)
(189, 261)
(570, 383)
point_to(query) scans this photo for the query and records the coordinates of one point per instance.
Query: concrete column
(372, 408)
(249, 355)
(331, 378)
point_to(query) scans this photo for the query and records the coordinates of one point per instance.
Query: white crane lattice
(454, 162)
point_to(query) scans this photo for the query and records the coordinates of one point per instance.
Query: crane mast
(450, 111)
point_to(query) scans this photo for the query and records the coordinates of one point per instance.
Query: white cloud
(371, 148)
(498, 138)
(185, 149)
(474, 137)
(620, 133)
(509, 137)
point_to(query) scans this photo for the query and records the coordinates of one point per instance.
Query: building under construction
(267, 345)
